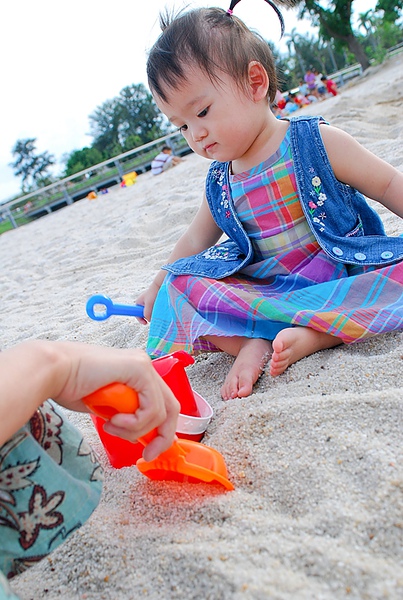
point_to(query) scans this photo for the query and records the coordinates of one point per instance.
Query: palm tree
(366, 22)
(293, 40)
(335, 22)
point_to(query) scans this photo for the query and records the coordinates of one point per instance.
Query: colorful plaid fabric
(292, 281)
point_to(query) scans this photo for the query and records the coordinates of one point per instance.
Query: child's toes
(230, 388)
(279, 364)
(245, 385)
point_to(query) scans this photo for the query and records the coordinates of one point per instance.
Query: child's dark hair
(212, 40)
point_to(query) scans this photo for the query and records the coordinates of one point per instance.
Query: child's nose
(199, 133)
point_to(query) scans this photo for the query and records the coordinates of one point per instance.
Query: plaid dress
(292, 281)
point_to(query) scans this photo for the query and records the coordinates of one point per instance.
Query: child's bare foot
(251, 357)
(247, 368)
(294, 343)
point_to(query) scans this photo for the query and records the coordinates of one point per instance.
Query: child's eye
(183, 128)
(203, 113)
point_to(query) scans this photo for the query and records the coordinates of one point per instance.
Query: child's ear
(258, 80)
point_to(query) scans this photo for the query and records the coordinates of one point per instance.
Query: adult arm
(34, 371)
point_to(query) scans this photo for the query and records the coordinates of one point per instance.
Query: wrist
(30, 373)
(53, 365)
(158, 280)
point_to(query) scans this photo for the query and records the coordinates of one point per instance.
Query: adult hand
(67, 371)
(158, 407)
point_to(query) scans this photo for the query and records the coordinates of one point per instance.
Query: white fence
(75, 187)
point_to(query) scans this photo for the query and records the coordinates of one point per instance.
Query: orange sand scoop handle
(116, 398)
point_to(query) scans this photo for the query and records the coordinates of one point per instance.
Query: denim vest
(342, 221)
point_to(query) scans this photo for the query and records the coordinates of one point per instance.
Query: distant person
(320, 87)
(301, 100)
(164, 161)
(50, 479)
(331, 85)
(304, 93)
(291, 104)
(280, 100)
(310, 80)
(303, 88)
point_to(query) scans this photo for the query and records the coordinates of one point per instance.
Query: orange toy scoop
(184, 461)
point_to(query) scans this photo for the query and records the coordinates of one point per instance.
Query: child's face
(218, 120)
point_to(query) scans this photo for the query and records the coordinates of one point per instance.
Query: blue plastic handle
(109, 308)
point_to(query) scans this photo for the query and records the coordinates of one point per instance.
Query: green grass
(6, 225)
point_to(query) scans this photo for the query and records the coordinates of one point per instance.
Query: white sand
(315, 455)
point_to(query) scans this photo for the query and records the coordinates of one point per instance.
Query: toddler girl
(306, 264)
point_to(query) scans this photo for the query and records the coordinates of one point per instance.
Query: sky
(61, 60)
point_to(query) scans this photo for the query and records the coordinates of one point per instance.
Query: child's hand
(147, 299)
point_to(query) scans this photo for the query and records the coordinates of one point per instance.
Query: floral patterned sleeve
(40, 506)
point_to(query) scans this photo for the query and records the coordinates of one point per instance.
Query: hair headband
(274, 7)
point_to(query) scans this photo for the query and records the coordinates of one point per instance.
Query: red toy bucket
(195, 414)
(172, 370)
(120, 452)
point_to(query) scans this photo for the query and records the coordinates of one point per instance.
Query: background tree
(366, 21)
(81, 159)
(391, 9)
(32, 167)
(335, 22)
(387, 34)
(127, 121)
(309, 51)
(141, 121)
(382, 31)
(104, 127)
(293, 43)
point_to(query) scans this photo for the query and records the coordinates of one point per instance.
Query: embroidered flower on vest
(217, 253)
(219, 175)
(319, 200)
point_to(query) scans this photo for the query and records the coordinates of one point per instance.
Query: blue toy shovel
(100, 307)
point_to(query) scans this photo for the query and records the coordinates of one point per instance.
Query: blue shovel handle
(106, 308)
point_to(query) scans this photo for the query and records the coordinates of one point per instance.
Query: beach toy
(193, 427)
(172, 370)
(184, 461)
(195, 412)
(122, 453)
(100, 307)
(129, 179)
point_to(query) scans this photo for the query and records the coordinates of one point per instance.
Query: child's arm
(202, 233)
(33, 371)
(358, 167)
